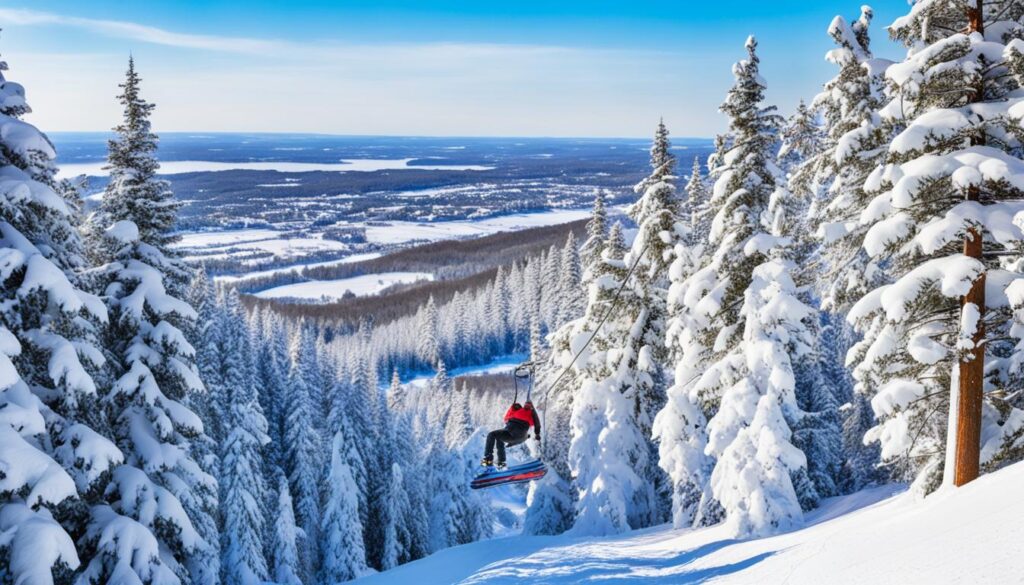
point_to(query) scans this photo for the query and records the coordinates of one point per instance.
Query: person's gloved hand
(536, 436)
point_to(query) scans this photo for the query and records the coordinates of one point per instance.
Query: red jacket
(525, 413)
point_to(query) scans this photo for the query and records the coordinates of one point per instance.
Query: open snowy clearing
(175, 167)
(221, 245)
(368, 284)
(298, 267)
(398, 232)
(291, 247)
(224, 238)
(968, 535)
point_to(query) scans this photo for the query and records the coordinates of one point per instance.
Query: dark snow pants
(514, 433)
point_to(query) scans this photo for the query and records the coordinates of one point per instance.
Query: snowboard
(491, 477)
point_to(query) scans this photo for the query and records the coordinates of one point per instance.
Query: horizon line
(199, 133)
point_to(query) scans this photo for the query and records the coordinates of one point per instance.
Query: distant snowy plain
(177, 167)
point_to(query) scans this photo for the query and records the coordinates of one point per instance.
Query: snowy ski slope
(879, 536)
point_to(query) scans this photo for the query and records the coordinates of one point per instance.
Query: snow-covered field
(224, 238)
(174, 167)
(398, 232)
(221, 245)
(295, 267)
(971, 535)
(368, 284)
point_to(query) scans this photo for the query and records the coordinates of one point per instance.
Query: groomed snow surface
(971, 535)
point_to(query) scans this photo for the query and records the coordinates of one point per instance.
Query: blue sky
(524, 68)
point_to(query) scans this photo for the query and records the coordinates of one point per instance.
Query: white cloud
(275, 48)
(138, 32)
(387, 88)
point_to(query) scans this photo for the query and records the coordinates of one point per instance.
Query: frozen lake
(368, 284)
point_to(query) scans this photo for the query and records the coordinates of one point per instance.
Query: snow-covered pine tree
(440, 395)
(570, 304)
(150, 361)
(829, 185)
(800, 139)
(833, 180)
(201, 332)
(243, 485)
(698, 197)
(150, 366)
(373, 444)
(53, 437)
(273, 367)
(429, 349)
(342, 551)
(815, 423)
(607, 451)
(597, 236)
(680, 427)
(459, 425)
(936, 339)
(410, 455)
(550, 301)
(133, 192)
(286, 538)
(643, 301)
(498, 315)
(303, 465)
(398, 536)
(747, 316)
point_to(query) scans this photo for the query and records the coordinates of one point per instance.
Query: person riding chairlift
(518, 421)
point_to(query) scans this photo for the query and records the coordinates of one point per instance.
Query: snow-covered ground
(174, 167)
(971, 535)
(398, 232)
(296, 267)
(224, 238)
(257, 242)
(367, 284)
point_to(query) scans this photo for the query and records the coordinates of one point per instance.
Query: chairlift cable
(593, 334)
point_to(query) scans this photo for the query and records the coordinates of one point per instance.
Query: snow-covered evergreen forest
(829, 302)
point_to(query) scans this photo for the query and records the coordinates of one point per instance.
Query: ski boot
(502, 466)
(487, 462)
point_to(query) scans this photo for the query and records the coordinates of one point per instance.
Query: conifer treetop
(134, 193)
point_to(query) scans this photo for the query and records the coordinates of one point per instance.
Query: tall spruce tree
(149, 360)
(342, 548)
(698, 197)
(133, 192)
(243, 485)
(54, 436)
(936, 339)
(303, 466)
(748, 327)
(597, 235)
(608, 453)
(834, 179)
(286, 538)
